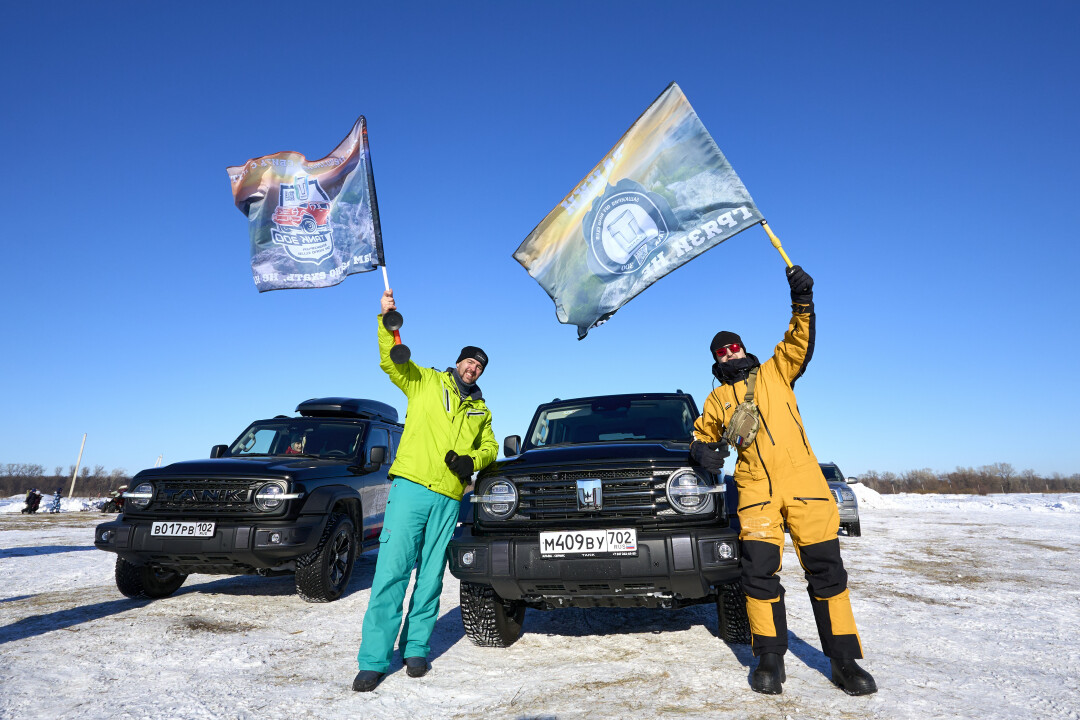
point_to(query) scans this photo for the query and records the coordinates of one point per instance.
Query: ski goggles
(724, 351)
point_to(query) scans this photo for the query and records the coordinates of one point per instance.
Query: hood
(248, 467)
(595, 454)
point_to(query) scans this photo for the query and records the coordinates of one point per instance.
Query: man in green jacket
(447, 438)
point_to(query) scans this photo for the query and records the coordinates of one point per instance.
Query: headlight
(140, 497)
(848, 495)
(269, 497)
(687, 492)
(499, 499)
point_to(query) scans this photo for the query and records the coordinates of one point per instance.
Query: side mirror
(851, 481)
(377, 455)
(511, 445)
(218, 451)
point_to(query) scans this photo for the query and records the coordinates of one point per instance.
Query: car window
(313, 437)
(832, 473)
(614, 419)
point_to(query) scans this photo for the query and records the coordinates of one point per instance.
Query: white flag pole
(77, 464)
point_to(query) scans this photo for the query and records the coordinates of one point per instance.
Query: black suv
(600, 507)
(292, 494)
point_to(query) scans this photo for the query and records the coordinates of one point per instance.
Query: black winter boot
(851, 678)
(416, 667)
(366, 680)
(769, 674)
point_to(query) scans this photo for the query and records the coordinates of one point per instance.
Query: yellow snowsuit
(780, 482)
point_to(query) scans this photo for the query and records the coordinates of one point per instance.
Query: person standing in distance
(447, 438)
(780, 483)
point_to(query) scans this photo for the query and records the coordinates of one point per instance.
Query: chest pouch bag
(745, 421)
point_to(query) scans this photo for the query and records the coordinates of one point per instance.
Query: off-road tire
(489, 620)
(146, 581)
(853, 529)
(323, 574)
(731, 614)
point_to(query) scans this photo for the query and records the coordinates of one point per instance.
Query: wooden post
(77, 464)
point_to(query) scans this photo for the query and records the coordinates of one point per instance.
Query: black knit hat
(471, 351)
(722, 338)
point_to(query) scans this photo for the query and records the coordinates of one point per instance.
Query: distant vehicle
(600, 507)
(303, 495)
(115, 503)
(845, 498)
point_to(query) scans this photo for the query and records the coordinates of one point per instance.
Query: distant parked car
(845, 498)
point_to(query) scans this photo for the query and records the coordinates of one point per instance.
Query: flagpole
(776, 243)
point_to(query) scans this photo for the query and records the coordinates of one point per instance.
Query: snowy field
(968, 607)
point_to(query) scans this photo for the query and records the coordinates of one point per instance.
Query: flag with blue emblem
(662, 196)
(311, 224)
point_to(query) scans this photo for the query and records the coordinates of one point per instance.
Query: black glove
(802, 285)
(460, 465)
(709, 455)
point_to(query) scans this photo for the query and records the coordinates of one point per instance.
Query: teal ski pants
(416, 530)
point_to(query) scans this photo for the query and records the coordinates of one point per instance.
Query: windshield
(832, 473)
(310, 437)
(614, 419)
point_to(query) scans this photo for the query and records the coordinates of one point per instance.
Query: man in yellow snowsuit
(780, 483)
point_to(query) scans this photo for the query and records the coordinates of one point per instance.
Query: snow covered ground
(968, 607)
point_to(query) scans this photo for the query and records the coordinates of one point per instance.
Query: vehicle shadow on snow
(279, 585)
(65, 619)
(42, 550)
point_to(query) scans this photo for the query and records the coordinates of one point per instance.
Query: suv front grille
(625, 494)
(205, 497)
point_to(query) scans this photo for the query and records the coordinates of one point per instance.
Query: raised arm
(793, 353)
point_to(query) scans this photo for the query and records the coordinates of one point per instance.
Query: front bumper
(237, 546)
(669, 568)
(848, 513)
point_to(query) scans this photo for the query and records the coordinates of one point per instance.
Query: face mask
(733, 371)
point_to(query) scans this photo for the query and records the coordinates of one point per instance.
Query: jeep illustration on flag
(662, 196)
(310, 223)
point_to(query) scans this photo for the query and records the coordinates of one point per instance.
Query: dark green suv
(303, 495)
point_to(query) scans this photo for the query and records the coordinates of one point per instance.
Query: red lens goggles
(726, 350)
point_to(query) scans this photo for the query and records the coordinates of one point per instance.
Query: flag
(311, 223)
(662, 196)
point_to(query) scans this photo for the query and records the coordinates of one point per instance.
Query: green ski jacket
(437, 420)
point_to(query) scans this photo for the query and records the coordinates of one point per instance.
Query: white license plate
(182, 529)
(617, 541)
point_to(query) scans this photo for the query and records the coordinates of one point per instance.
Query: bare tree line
(996, 478)
(17, 478)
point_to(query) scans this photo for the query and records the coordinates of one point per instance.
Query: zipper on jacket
(767, 475)
(760, 504)
(803, 500)
(801, 431)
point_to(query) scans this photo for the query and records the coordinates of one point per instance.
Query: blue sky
(919, 159)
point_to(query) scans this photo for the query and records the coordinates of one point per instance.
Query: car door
(376, 485)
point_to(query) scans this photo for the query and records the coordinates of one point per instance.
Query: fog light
(106, 535)
(724, 551)
(275, 538)
(468, 558)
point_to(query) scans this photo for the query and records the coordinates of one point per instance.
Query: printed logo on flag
(626, 226)
(302, 221)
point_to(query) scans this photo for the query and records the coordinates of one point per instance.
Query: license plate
(620, 541)
(182, 529)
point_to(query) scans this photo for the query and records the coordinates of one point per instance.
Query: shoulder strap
(751, 380)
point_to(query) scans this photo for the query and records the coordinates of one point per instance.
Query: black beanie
(471, 351)
(722, 338)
